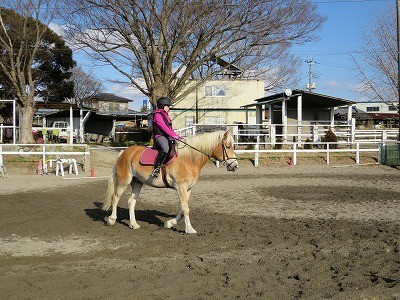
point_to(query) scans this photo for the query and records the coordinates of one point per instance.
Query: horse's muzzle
(232, 165)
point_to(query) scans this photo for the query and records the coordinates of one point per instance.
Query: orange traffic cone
(92, 172)
(39, 169)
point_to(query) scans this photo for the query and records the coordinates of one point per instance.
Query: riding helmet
(161, 102)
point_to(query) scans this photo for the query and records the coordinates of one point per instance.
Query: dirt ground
(304, 232)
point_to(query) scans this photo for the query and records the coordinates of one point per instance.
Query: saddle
(148, 156)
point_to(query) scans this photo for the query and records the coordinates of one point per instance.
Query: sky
(340, 39)
(334, 72)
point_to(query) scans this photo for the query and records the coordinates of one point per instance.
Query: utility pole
(310, 84)
(398, 61)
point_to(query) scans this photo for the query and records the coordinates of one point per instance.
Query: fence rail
(46, 151)
(262, 138)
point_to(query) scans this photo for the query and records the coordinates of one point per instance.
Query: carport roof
(310, 100)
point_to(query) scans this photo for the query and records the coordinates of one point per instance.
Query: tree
(166, 43)
(378, 63)
(85, 86)
(35, 62)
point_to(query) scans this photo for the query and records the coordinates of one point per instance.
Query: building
(107, 103)
(217, 101)
(370, 115)
(298, 114)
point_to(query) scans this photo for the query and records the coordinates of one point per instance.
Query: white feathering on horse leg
(132, 221)
(110, 220)
(188, 226)
(171, 223)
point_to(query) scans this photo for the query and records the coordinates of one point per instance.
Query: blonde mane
(206, 142)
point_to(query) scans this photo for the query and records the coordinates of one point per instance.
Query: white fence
(48, 152)
(272, 133)
(261, 138)
(353, 148)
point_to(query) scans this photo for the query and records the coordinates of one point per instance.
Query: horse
(181, 174)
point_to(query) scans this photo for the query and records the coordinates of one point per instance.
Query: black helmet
(163, 101)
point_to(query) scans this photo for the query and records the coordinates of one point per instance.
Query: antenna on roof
(310, 84)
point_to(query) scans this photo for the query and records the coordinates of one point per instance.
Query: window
(392, 108)
(214, 120)
(215, 91)
(189, 121)
(372, 108)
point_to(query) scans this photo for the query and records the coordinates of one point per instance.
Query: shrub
(308, 146)
(330, 137)
(278, 146)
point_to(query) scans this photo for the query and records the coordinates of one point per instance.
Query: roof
(110, 98)
(357, 113)
(55, 105)
(310, 100)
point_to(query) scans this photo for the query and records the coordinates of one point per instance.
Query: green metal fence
(390, 154)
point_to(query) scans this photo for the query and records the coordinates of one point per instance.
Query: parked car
(59, 131)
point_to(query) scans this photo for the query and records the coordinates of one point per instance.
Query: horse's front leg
(136, 188)
(184, 195)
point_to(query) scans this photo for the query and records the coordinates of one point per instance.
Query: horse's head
(225, 152)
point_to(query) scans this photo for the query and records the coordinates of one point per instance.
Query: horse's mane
(206, 142)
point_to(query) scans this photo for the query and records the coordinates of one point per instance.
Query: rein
(225, 153)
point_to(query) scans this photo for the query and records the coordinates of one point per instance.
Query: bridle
(225, 156)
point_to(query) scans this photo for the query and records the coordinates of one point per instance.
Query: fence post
(384, 135)
(86, 159)
(380, 152)
(353, 130)
(315, 133)
(273, 135)
(44, 154)
(357, 153)
(256, 154)
(327, 154)
(294, 154)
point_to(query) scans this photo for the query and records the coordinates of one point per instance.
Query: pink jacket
(159, 120)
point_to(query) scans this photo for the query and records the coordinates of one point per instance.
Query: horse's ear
(228, 132)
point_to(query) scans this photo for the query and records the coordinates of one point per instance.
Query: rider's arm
(159, 120)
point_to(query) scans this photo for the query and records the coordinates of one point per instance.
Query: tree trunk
(25, 132)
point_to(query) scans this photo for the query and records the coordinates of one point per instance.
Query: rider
(163, 133)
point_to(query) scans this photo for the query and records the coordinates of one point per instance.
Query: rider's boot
(159, 160)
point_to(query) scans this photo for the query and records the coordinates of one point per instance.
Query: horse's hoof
(134, 226)
(168, 225)
(109, 221)
(190, 231)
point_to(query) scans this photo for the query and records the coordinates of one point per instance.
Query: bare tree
(85, 86)
(378, 63)
(34, 60)
(169, 42)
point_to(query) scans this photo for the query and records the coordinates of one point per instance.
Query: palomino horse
(181, 174)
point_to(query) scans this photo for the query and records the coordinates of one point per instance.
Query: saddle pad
(148, 156)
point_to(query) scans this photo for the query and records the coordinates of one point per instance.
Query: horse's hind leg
(136, 187)
(115, 199)
(171, 223)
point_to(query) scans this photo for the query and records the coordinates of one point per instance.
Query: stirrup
(156, 172)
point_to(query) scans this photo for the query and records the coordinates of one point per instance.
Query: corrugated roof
(110, 98)
(310, 100)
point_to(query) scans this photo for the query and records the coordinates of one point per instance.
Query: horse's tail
(109, 197)
(109, 194)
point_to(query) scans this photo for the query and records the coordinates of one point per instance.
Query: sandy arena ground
(302, 232)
